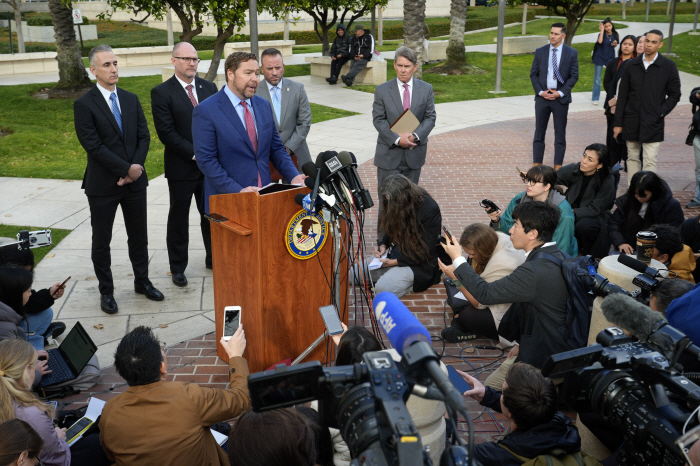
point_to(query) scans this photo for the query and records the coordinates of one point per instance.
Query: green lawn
(10, 231)
(43, 143)
(657, 11)
(687, 50)
(685, 18)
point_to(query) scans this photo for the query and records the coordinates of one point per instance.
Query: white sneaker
(595, 102)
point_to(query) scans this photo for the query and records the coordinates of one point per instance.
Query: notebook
(71, 357)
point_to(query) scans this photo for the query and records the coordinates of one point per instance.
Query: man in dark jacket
(536, 287)
(361, 48)
(649, 89)
(529, 401)
(340, 51)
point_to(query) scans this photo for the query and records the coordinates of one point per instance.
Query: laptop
(71, 357)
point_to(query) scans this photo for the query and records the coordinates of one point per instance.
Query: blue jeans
(696, 145)
(37, 323)
(596, 82)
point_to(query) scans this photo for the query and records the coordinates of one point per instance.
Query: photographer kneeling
(529, 401)
(540, 180)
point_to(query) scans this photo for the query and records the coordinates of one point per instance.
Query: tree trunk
(326, 50)
(455, 48)
(188, 32)
(18, 27)
(71, 70)
(221, 38)
(414, 30)
(571, 26)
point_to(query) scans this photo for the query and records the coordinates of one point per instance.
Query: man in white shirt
(650, 88)
(553, 75)
(402, 153)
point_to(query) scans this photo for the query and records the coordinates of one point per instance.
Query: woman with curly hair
(411, 220)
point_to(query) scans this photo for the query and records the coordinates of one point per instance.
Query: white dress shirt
(106, 94)
(551, 79)
(184, 86)
(647, 63)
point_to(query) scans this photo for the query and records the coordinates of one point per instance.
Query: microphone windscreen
(299, 199)
(625, 312)
(352, 156)
(309, 169)
(399, 324)
(632, 263)
(309, 182)
(344, 158)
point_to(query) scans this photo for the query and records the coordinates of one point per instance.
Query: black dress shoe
(329, 79)
(333, 81)
(108, 304)
(207, 264)
(179, 279)
(55, 329)
(149, 291)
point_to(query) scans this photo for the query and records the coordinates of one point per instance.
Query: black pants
(559, 112)
(103, 209)
(178, 236)
(586, 230)
(478, 321)
(336, 65)
(88, 452)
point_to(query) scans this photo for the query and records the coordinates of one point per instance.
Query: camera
(366, 402)
(489, 205)
(646, 281)
(633, 386)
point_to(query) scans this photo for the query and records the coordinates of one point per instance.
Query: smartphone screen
(232, 319)
(457, 380)
(447, 232)
(77, 428)
(331, 319)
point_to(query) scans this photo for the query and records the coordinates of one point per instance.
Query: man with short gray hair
(402, 153)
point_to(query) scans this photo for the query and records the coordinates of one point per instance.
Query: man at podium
(235, 136)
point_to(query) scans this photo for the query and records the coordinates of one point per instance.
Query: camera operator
(161, 422)
(529, 401)
(536, 288)
(682, 312)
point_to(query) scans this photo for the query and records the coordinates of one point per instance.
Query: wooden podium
(279, 295)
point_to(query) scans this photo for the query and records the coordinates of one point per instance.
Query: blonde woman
(18, 360)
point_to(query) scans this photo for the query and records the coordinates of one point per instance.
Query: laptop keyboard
(60, 371)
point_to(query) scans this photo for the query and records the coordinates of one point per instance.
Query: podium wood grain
(279, 295)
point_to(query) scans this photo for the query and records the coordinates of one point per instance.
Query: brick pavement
(463, 167)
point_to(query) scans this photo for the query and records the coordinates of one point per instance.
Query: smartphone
(78, 428)
(64, 282)
(215, 217)
(447, 232)
(331, 319)
(521, 173)
(457, 380)
(232, 320)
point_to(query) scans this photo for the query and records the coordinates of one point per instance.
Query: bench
(144, 56)
(374, 73)
(34, 62)
(436, 51)
(284, 46)
(524, 44)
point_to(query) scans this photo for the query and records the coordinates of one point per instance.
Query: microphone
(362, 197)
(636, 265)
(648, 326)
(305, 202)
(328, 164)
(412, 341)
(309, 169)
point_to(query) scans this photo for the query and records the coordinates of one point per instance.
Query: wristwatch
(416, 139)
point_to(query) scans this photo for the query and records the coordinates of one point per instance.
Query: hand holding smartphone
(457, 380)
(232, 320)
(448, 235)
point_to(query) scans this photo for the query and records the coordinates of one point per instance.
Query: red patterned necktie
(406, 97)
(250, 129)
(189, 91)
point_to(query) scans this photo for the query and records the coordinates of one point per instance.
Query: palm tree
(414, 30)
(71, 70)
(455, 48)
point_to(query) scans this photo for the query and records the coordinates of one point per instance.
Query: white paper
(219, 437)
(376, 263)
(461, 296)
(93, 411)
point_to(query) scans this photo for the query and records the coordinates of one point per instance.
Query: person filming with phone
(160, 422)
(529, 401)
(539, 182)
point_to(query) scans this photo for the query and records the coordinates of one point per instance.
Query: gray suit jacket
(387, 108)
(295, 116)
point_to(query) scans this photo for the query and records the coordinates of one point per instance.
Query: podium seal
(306, 234)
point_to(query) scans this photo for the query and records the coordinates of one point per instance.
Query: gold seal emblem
(306, 234)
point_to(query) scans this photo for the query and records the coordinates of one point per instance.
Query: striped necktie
(115, 111)
(555, 67)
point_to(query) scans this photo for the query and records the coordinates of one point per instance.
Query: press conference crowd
(508, 268)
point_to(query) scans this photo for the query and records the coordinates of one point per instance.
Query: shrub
(44, 19)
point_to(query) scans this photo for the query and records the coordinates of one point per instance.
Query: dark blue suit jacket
(568, 69)
(224, 151)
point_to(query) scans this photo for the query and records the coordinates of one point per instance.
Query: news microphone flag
(401, 327)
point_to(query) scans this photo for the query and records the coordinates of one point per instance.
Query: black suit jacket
(172, 115)
(110, 153)
(568, 69)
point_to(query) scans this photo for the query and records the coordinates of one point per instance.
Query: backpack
(557, 457)
(579, 284)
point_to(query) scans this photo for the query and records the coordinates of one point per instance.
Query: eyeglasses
(188, 59)
(530, 181)
(39, 461)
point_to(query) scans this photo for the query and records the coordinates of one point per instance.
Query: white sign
(77, 17)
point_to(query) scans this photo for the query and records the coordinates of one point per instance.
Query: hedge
(45, 20)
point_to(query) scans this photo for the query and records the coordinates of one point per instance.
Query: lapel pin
(287, 89)
(200, 86)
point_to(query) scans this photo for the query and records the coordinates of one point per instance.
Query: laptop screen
(77, 348)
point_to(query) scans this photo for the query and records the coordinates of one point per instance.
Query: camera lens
(357, 419)
(615, 393)
(603, 287)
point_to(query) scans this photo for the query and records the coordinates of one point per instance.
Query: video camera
(367, 402)
(646, 281)
(31, 239)
(637, 387)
